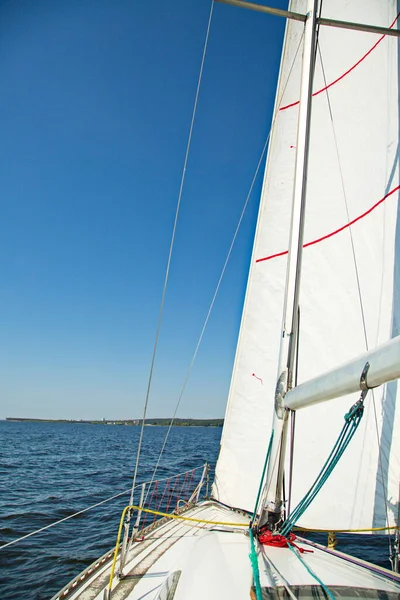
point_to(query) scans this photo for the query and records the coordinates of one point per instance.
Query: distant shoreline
(132, 422)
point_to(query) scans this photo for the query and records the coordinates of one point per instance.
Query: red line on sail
(259, 378)
(332, 233)
(348, 70)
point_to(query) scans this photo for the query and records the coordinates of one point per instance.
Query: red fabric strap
(267, 538)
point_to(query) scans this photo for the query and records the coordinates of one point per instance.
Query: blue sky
(94, 115)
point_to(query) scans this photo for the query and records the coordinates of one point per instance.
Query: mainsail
(350, 279)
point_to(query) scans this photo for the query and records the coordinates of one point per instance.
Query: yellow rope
(160, 514)
(208, 522)
(172, 516)
(116, 547)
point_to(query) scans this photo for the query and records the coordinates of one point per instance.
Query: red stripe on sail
(332, 233)
(346, 72)
(259, 378)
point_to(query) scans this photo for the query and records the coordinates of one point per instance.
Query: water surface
(51, 470)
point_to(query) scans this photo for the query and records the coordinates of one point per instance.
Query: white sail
(249, 412)
(353, 161)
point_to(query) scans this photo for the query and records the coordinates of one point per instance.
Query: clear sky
(95, 106)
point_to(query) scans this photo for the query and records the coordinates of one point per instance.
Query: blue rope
(326, 590)
(254, 563)
(262, 478)
(352, 421)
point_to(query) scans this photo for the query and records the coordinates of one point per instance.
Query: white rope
(170, 250)
(80, 512)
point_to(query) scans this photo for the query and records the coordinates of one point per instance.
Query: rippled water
(51, 470)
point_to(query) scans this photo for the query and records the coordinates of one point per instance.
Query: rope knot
(355, 412)
(267, 538)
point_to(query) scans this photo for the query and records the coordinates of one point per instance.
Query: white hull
(183, 560)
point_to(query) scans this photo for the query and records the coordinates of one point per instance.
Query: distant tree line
(156, 422)
(187, 422)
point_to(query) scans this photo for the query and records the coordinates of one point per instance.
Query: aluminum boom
(384, 366)
(266, 9)
(320, 21)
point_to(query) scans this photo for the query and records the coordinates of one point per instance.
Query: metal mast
(273, 502)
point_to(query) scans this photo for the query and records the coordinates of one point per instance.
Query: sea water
(51, 470)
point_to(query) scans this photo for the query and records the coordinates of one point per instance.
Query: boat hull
(207, 556)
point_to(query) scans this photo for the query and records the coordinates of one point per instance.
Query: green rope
(311, 572)
(352, 421)
(254, 563)
(262, 478)
(253, 554)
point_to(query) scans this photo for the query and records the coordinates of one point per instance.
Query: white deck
(205, 561)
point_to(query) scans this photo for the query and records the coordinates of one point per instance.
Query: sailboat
(310, 439)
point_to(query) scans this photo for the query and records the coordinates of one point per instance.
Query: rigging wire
(200, 339)
(80, 512)
(249, 193)
(160, 315)
(358, 290)
(37, 531)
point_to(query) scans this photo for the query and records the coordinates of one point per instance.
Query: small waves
(53, 470)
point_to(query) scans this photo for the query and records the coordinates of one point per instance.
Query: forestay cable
(171, 249)
(210, 309)
(249, 193)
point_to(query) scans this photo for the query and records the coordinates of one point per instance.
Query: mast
(273, 502)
